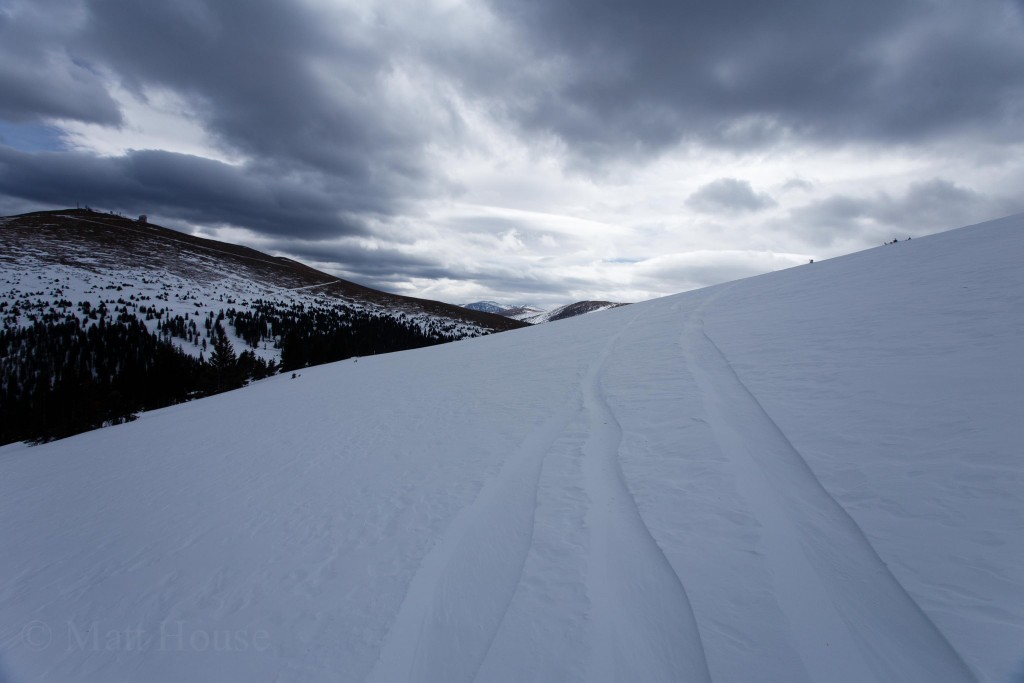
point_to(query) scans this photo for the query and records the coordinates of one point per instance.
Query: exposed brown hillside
(86, 238)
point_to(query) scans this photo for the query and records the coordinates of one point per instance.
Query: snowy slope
(516, 312)
(486, 307)
(812, 475)
(523, 313)
(571, 311)
(535, 316)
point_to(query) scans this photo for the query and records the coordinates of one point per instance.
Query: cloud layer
(520, 150)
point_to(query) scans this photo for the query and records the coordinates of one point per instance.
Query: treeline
(312, 335)
(64, 378)
(79, 367)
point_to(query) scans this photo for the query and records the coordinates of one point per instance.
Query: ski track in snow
(849, 618)
(471, 575)
(641, 623)
(643, 627)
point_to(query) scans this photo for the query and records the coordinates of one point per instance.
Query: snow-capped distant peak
(570, 311)
(535, 316)
(486, 307)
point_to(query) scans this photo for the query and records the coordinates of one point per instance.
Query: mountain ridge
(288, 273)
(535, 316)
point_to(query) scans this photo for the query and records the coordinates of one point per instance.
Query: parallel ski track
(643, 626)
(849, 617)
(458, 598)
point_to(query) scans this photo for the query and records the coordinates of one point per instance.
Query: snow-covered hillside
(536, 316)
(486, 307)
(812, 475)
(523, 313)
(570, 311)
(81, 255)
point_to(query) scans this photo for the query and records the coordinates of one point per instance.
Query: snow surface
(812, 475)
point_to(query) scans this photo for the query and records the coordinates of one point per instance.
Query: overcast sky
(526, 151)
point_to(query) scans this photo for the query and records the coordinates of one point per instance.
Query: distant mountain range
(487, 307)
(534, 316)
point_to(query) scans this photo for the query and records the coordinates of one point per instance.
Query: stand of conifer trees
(63, 374)
(65, 378)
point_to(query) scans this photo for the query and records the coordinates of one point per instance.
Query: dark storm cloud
(286, 84)
(178, 185)
(39, 78)
(646, 74)
(728, 195)
(302, 98)
(256, 72)
(71, 92)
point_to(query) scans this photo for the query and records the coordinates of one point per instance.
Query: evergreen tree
(224, 363)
